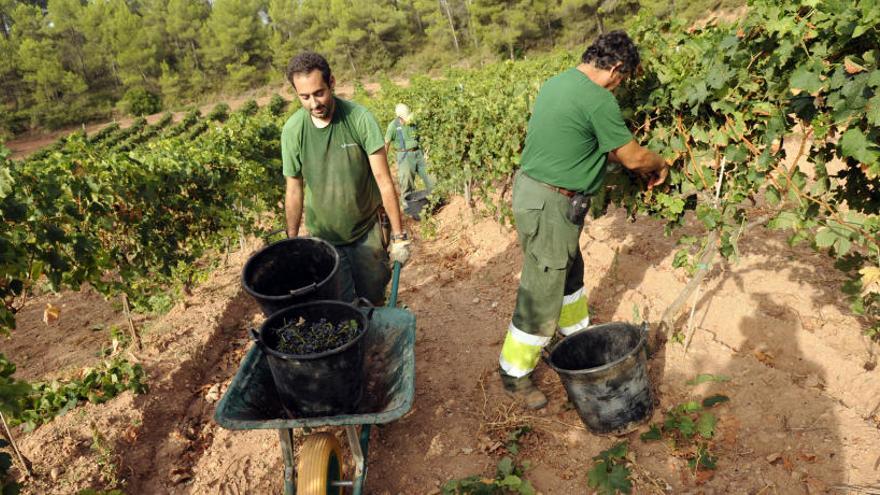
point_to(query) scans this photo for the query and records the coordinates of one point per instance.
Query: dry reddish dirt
(804, 391)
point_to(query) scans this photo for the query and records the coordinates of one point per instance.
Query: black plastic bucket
(292, 271)
(604, 370)
(416, 202)
(323, 384)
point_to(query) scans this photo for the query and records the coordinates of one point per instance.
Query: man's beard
(323, 112)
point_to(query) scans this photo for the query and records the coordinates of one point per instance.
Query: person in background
(403, 132)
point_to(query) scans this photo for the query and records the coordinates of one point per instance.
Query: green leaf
(854, 144)
(652, 435)
(682, 257)
(825, 237)
(619, 480)
(708, 377)
(771, 195)
(608, 481)
(526, 488)
(6, 182)
(714, 400)
(706, 425)
(505, 466)
(510, 480)
(805, 79)
(873, 111)
(785, 220)
(618, 451)
(703, 459)
(686, 426)
(597, 476)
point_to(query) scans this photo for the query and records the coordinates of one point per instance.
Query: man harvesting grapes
(576, 126)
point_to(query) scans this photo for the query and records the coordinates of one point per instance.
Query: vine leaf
(804, 79)
(855, 145)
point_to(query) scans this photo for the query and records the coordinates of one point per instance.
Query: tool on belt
(578, 206)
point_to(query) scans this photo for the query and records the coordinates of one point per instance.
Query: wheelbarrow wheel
(319, 465)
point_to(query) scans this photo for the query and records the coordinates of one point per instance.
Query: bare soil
(804, 390)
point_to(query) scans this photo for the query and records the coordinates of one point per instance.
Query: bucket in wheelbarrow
(292, 271)
(323, 383)
(604, 370)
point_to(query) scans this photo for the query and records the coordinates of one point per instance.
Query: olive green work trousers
(551, 291)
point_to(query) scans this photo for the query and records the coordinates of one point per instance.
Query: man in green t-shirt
(575, 128)
(410, 159)
(334, 165)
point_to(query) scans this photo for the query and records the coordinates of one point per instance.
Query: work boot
(523, 390)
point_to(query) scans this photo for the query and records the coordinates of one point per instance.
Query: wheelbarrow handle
(267, 237)
(395, 283)
(365, 305)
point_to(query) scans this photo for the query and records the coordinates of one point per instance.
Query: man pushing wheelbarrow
(335, 168)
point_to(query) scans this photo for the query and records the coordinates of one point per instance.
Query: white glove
(400, 251)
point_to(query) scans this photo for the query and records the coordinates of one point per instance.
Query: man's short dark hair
(305, 63)
(612, 48)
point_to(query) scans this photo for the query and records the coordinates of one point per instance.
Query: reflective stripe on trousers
(521, 351)
(575, 313)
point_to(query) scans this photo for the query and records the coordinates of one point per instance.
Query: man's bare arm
(641, 160)
(379, 166)
(293, 204)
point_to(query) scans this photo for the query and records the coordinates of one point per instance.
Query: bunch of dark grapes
(313, 337)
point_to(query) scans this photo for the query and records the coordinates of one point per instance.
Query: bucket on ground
(292, 271)
(328, 383)
(416, 202)
(605, 372)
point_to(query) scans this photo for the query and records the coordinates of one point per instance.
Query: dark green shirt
(397, 130)
(341, 194)
(575, 123)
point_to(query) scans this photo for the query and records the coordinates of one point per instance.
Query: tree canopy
(69, 61)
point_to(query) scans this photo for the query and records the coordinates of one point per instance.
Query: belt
(561, 190)
(407, 151)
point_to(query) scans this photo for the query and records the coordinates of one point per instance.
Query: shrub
(250, 107)
(219, 113)
(277, 105)
(139, 101)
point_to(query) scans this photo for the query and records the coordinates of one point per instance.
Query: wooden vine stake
(241, 241)
(25, 464)
(134, 335)
(691, 329)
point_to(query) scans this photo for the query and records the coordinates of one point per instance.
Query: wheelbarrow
(252, 403)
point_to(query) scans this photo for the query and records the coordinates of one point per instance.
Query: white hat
(402, 111)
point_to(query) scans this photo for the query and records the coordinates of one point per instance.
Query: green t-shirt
(341, 194)
(395, 128)
(574, 125)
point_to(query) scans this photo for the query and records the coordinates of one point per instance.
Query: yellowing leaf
(852, 67)
(51, 313)
(870, 279)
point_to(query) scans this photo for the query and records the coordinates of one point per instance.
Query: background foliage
(69, 61)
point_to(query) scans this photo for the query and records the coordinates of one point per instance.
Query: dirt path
(802, 416)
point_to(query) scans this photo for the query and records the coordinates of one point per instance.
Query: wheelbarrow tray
(252, 403)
